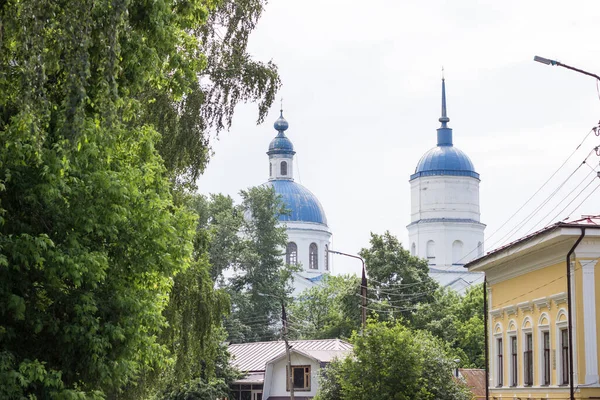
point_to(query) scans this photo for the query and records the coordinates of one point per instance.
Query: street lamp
(363, 285)
(555, 63)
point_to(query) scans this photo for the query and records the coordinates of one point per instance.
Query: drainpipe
(485, 329)
(570, 327)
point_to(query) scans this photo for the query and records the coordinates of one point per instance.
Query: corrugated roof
(254, 356)
(475, 380)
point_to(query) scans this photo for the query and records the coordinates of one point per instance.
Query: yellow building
(528, 313)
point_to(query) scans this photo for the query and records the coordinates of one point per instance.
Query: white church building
(309, 237)
(445, 227)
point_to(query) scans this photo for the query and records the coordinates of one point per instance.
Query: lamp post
(363, 285)
(555, 63)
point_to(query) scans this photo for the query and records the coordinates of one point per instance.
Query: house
(265, 365)
(529, 300)
(474, 379)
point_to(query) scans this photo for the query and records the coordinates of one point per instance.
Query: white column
(589, 321)
(574, 324)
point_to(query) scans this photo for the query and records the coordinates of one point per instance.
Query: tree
(390, 361)
(262, 280)
(396, 279)
(330, 310)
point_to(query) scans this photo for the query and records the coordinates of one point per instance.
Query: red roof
(475, 380)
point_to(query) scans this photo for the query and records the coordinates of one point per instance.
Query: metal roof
(303, 205)
(445, 160)
(254, 356)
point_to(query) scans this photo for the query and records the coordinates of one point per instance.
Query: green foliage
(397, 280)
(262, 280)
(458, 321)
(327, 311)
(391, 361)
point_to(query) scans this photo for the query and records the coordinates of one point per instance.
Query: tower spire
(444, 118)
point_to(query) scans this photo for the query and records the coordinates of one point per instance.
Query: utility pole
(284, 331)
(363, 286)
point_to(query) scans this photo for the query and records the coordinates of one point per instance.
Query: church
(445, 227)
(309, 237)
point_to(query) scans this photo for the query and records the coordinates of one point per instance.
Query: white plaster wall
(305, 233)
(275, 161)
(275, 380)
(444, 234)
(445, 197)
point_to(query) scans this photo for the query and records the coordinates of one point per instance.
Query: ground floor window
(513, 361)
(499, 363)
(528, 360)
(546, 367)
(300, 378)
(246, 392)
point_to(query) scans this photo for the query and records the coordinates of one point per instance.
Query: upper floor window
(291, 253)
(430, 249)
(457, 250)
(283, 168)
(513, 361)
(546, 358)
(528, 360)
(564, 356)
(300, 378)
(499, 363)
(313, 256)
(326, 258)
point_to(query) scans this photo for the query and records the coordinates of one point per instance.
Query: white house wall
(275, 378)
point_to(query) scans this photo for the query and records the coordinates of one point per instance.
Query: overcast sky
(361, 90)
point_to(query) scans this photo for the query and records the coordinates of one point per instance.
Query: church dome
(281, 145)
(445, 160)
(303, 205)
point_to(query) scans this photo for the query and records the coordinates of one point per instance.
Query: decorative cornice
(525, 306)
(543, 302)
(510, 310)
(559, 298)
(497, 313)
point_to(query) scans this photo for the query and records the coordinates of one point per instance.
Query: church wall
(303, 234)
(445, 197)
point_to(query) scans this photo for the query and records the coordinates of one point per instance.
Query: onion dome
(444, 159)
(280, 143)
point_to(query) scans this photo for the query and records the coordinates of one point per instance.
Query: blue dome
(281, 145)
(445, 160)
(303, 205)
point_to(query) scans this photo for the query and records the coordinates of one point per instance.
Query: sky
(362, 95)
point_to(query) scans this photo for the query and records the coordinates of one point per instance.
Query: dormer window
(283, 168)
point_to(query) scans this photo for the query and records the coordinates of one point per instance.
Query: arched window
(326, 258)
(270, 169)
(479, 249)
(291, 253)
(413, 250)
(457, 250)
(283, 168)
(313, 256)
(431, 249)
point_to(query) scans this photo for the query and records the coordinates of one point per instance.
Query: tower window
(326, 258)
(457, 250)
(291, 253)
(283, 168)
(413, 250)
(431, 249)
(270, 169)
(313, 257)
(479, 249)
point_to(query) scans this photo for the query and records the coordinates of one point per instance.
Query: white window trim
(512, 333)
(541, 330)
(558, 345)
(496, 336)
(524, 333)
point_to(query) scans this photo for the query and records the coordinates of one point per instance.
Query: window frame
(564, 355)
(528, 358)
(545, 358)
(283, 168)
(499, 362)
(430, 250)
(306, 375)
(514, 360)
(288, 254)
(313, 256)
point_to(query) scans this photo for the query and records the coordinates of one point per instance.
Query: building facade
(528, 313)
(309, 236)
(265, 365)
(445, 223)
